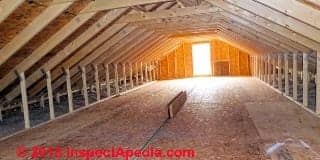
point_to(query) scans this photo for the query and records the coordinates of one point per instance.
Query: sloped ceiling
(47, 35)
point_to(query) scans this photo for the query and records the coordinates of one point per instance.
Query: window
(201, 57)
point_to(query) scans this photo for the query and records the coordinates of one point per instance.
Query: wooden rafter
(266, 31)
(142, 47)
(88, 49)
(126, 48)
(178, 12)
(101, 5)
(262, 22)
(95, 52)
(7, 7)
(258, 26)
(68, 50)
(45, 48)
(259, 49)
(274, 17)
(115, 49)
(296, 10)
(129, 46)
(41, 21)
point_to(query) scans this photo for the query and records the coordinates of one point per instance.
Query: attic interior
(239, 78)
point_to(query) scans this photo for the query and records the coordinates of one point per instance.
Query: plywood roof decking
(42, 36)
(20, 18)
(260, 27)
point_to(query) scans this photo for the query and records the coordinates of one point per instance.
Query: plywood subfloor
(214, 122)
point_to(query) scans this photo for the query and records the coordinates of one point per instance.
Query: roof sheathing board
(20, 18)
(66, 42)
(42, 36)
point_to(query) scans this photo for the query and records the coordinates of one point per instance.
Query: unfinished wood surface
(295, 77)
(97, 82)
(279, 18)
(175, 105)
(69, 89)
(116, 81)
(108, 88)
(24, 99)
(177, 12)
(96, 53)
(45, 48)
(7, 7)
(280, 72)
(134, 31)
(100, 5)
(84, 84)
(317, 80)
(71, 48)
(265, 23)
(32, 29)
(305, 82)
(245, 133)
(296, 9)
(50, 94)
(286, 74)
(131, 76)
